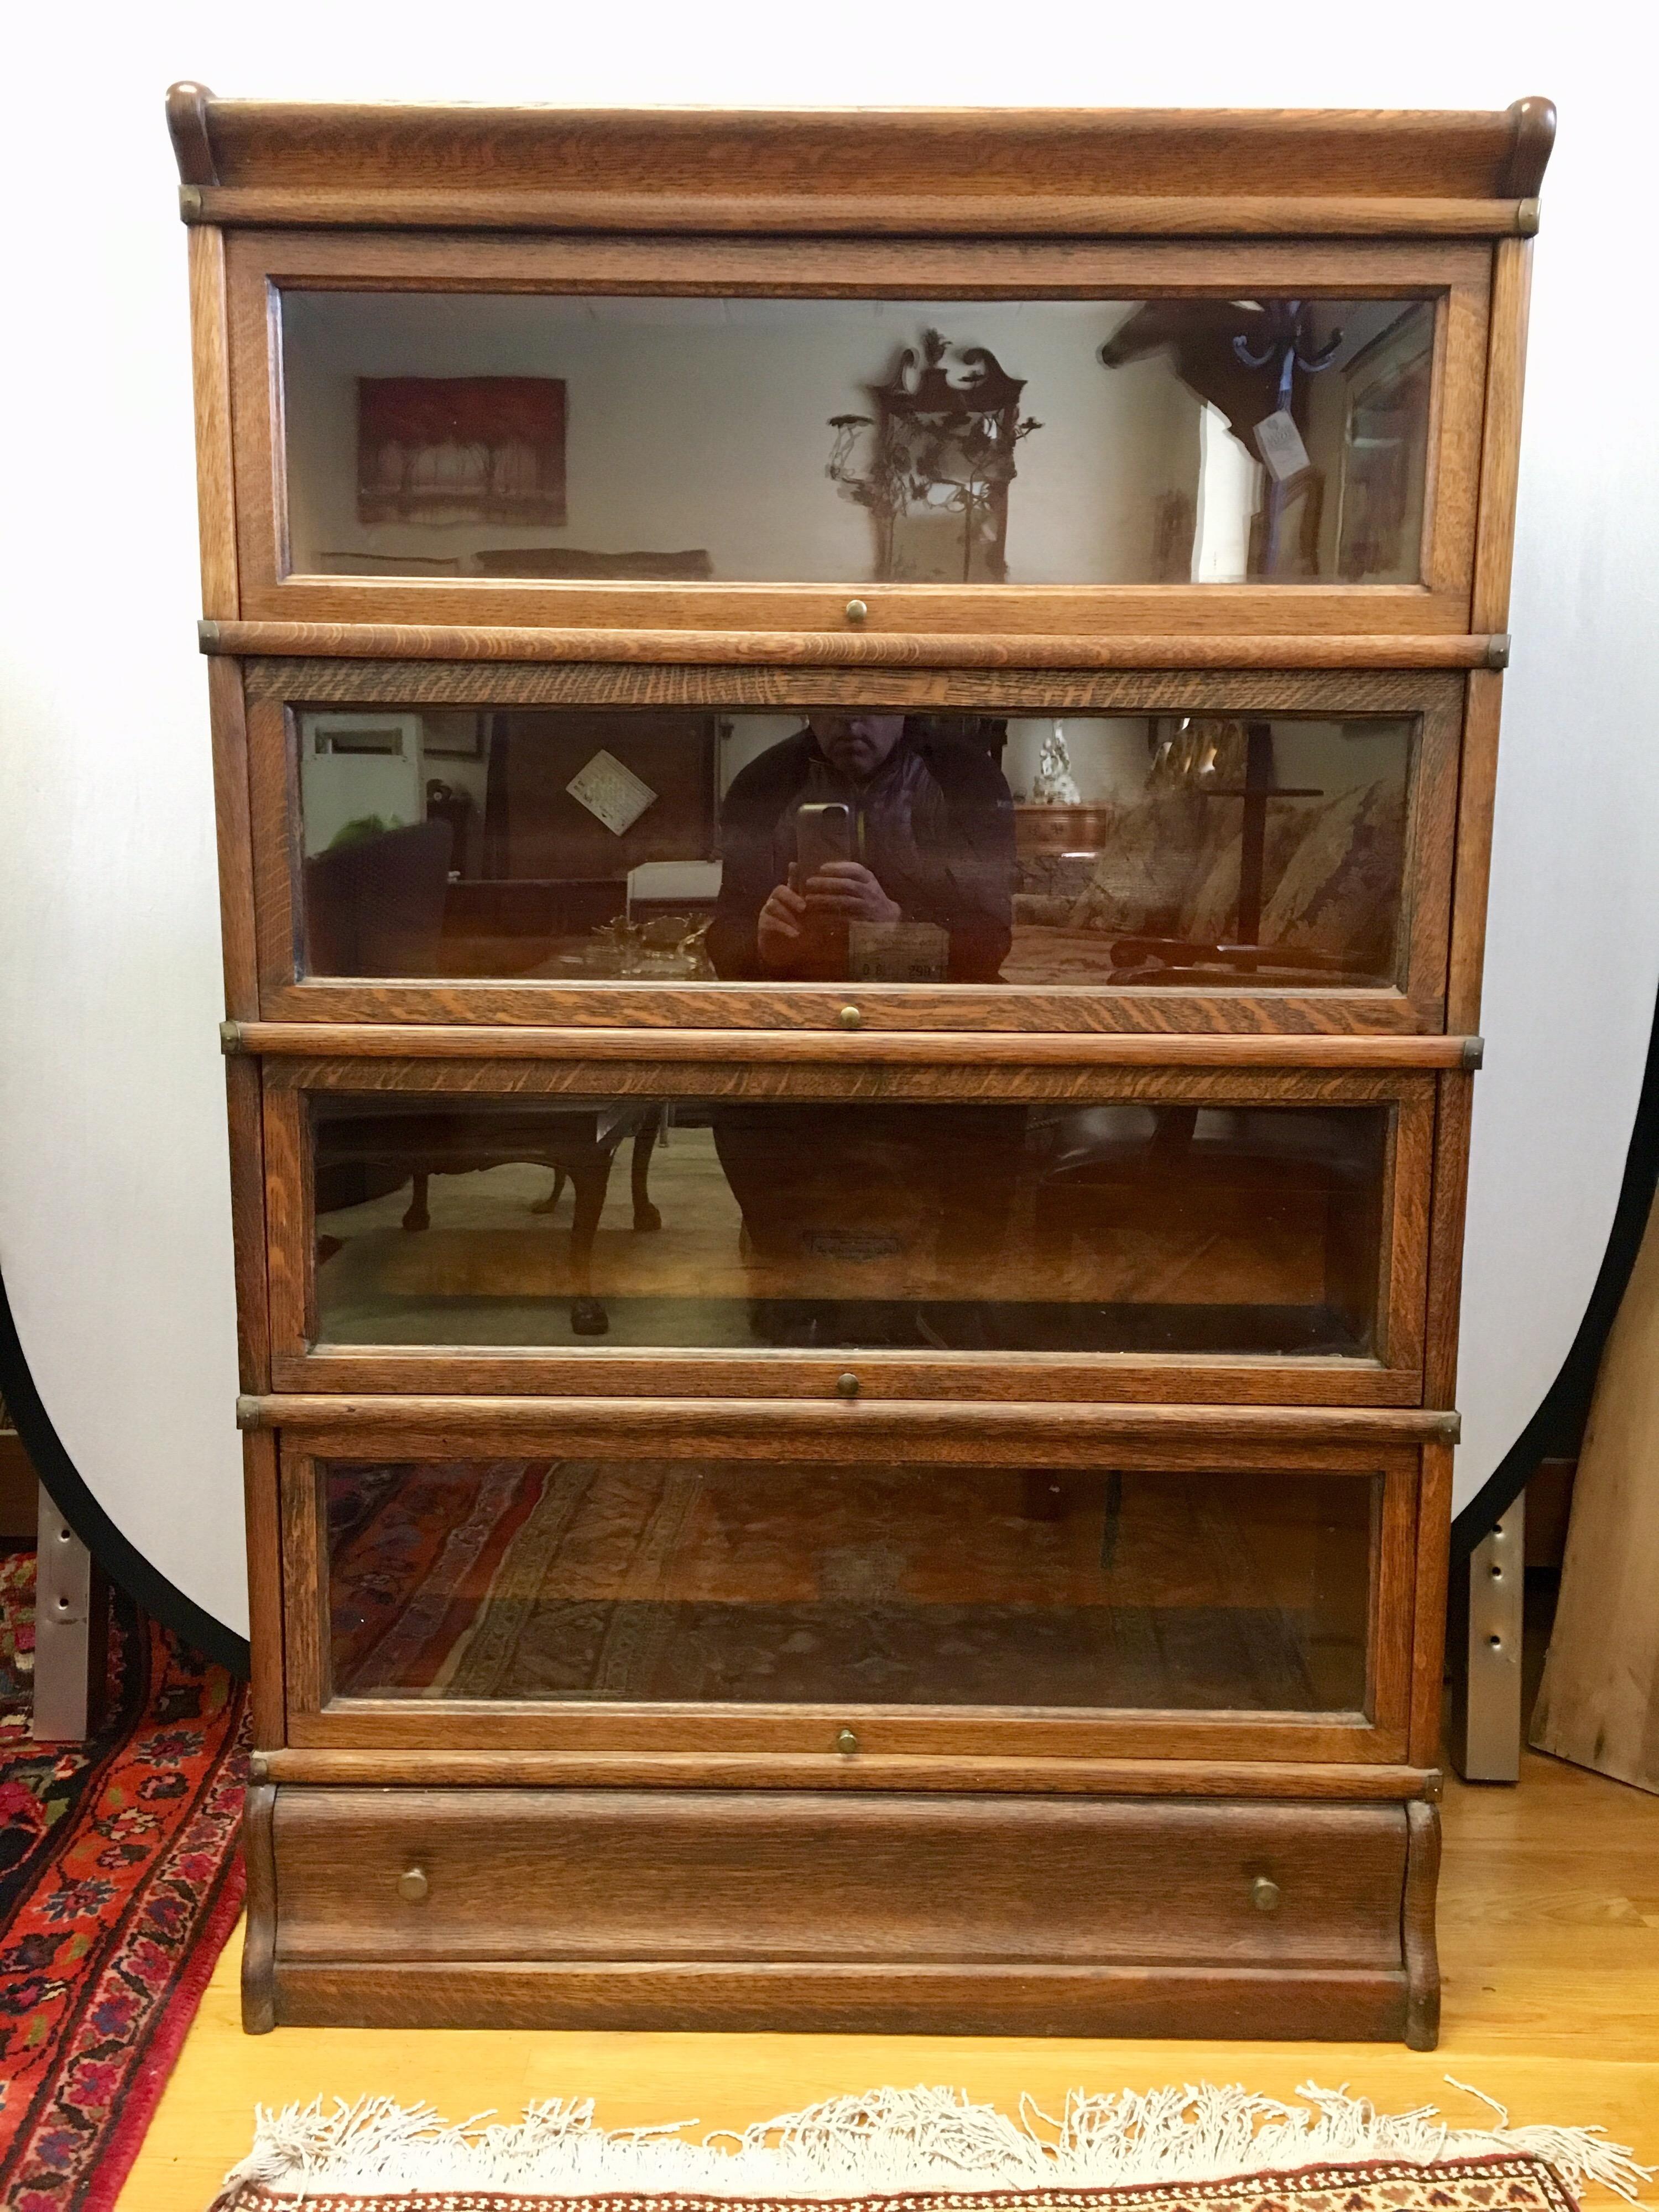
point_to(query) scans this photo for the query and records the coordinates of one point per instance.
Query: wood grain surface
(1140, 1436)
(1500, 439)
(1262, 214)
(471, 1768)
(764, 660)
(262, 1513)
(1102, 1378)
(1417, 1926)
(638, 1910)
(833, 1046)
(494, 678)
(1600, 1701)
(948, 169)
(1327, 2004)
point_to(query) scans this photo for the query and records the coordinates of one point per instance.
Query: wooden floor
(1549, 1946)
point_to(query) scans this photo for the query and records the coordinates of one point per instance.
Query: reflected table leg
(645, 1215)
(588, 1314)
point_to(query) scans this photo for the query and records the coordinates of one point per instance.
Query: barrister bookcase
(855, 757)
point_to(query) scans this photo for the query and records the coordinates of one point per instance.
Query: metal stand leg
(1483, 1651)
(71, 1632)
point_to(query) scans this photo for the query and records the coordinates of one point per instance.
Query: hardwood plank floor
(1549, 1946)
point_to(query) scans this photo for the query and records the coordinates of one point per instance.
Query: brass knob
(847, 1386)
(1264, 1894)
(412, 1886)
(856, 611)
(851, 1018)
(846, 1742)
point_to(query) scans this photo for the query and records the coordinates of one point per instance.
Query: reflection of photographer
(854, 821)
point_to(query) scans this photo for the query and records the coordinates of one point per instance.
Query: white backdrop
(114, 1231)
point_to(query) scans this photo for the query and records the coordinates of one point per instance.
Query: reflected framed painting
(461, 449)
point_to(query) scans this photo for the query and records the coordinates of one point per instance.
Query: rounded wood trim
(1330, 2004)
(492, 682)
(187, 127)
(259, 1942)
(464, 1768)
(841, 1047)
(901, 215)
(402, 642)
(796, 1428)
(1422, 2029)
(1532, 136)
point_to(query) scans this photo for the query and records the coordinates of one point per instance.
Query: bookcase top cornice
(1144, 172)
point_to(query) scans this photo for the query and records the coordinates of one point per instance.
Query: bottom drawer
(793, 1909)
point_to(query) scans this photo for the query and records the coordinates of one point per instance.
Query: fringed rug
(931, 2150)
(119, 1882)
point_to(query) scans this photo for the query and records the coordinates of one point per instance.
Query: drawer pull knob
(413, 1886)
(1264, 1894)
(847, 1386)
(851, 1018)
(846, 1743)
(856, 611)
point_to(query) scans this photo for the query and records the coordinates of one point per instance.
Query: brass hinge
(190, 203)
(230, 1038)
(248, 1414)
(207, 637)
(1526, 219)
(1497, 649)
(1434, 1785)
(1474, 1052)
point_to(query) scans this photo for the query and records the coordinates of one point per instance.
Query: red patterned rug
(119, 1882)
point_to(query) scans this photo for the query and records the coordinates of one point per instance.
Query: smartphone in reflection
(824, 832)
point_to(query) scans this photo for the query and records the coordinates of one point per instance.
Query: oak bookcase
(953, 1536)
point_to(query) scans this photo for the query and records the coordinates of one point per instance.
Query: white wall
(114, 1213)
(706, 424)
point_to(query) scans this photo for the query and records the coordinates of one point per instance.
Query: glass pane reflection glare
(1020, 441)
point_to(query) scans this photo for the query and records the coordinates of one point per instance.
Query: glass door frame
(740, 1744)
(1394, 1377)
(274, 691)
(813, 619)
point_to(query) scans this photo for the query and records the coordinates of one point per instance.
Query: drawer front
(453, 1876)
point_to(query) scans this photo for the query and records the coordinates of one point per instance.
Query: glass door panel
(1038, 441)
(708, 1580)
(1037, 851)
(698, 1222)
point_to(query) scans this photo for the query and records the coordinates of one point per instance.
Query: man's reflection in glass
(837, 1196)
(930, 842)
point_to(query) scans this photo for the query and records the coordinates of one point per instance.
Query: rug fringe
(887, 2142)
